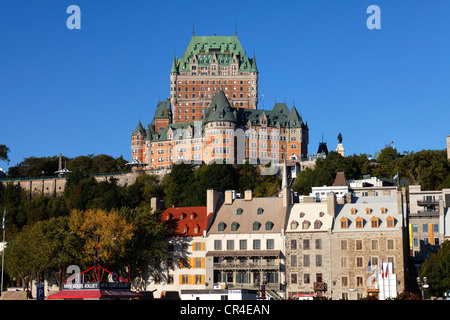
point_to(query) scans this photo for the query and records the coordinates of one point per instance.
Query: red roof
(93, 294)
(191, 221)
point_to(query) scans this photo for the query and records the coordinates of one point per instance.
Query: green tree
(437, 270)
(4, 153)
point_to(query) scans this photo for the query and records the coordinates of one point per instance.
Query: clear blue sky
(79, 92)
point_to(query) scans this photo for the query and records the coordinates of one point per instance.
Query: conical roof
(294, 120)
(139, 128)
(220, 109)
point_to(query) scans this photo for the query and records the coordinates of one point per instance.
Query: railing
(247, 265)
(427, 202)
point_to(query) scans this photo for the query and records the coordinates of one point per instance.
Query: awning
(94, 294)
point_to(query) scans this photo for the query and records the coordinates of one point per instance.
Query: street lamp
(422, 285)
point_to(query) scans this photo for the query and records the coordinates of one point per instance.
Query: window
(358, 245)
(242, 244)
(374, 244)
(256, 244)
(221, 226)
(217, 244)
(256, 225)
(344, 223)
(359, 262)
(293, 244)
(269, 225)
(305, 224)
(390, 244)
(318, 260)
(239, 211)
(318, 243)
(293, 260)
(230, 244)
(359, 223)
(344, 262)
(368, 210)
(383, 210)
(317, 224)
(234, 226)
(344, 281)
(293, 278)
(306, 244)
(269, 244)
(294, 225)
(353, 211)
(359, 281)
(374, 222)
(306, 278)
(260, 211)
(390, 222)
(343, 245)
(306, 260)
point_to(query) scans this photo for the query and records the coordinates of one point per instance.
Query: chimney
(156, 203)
(248, 195)
(228, 196)
(331, 204)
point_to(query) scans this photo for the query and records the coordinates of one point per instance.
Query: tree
(40, 250)
(4, 153)
(107, 229)
(148, 246)
(437, 270)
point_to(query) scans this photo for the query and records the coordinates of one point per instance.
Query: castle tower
(220, 125)
(211, 64)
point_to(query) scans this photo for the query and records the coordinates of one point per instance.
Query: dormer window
(344, 223)
(374, 222)
(234, 226)
(221, 226)
(368, 210)
(239, 211)
(359, 223)
(259, 211)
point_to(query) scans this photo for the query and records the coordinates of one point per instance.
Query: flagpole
(3, 249)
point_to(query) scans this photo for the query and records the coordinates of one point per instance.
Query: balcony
(427, 203)
(320, 286)
(247, 265)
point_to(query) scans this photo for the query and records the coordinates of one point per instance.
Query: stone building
(370, 232)
(307, 248)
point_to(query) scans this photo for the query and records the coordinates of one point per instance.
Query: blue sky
(79, 92)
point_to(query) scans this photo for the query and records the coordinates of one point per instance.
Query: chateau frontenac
(212, 114)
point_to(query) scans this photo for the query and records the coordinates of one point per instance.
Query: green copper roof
(220, 109)
(294, 119)
(174, 65)
(222, 48)
(162, 110)
(139, 129)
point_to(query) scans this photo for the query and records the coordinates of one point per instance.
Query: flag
(395, 177)
(386, 272)
(369, 268)
(382, 271)
(3, 223)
